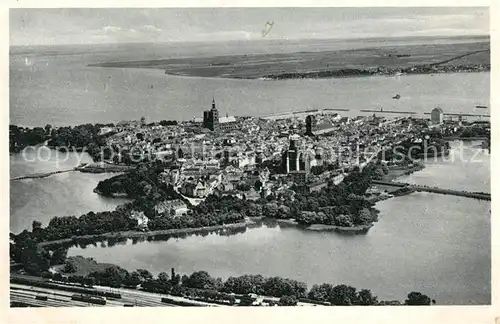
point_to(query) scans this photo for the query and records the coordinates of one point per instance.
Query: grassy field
(260, 65)
(85, 266)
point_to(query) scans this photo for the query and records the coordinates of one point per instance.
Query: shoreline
(275, 78)
(248, 222)
(139, 234)
(113, 195)
(356, 75)
(358, 229)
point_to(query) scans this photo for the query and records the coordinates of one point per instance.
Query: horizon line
(262, 40)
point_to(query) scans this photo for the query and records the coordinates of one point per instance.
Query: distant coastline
(368, 60)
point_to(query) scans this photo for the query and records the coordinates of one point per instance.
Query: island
(423, 57)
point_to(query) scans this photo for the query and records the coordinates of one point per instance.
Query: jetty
(462, 114)
(389, 111)
(460, 193)
(420, 113)
(303, 113)
(40, 175)
(99, 167)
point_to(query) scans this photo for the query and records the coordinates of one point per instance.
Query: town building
(437, 116)
(142, 220)
(296, 159)
(211, 117)
(167, 206)
(310, 124)
(212, 121)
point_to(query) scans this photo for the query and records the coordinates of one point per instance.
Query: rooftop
(228, 119)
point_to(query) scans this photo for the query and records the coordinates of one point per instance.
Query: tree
(47, 275)
(36, 225)
(184, 280)
(177, 290)
(288, 301)
(343, 295)
(144, 274)
(254, 210)
(364, 216)
(175, 279)
(58, 256)
(270, 210)
(201, 280)
(69, 267)
(344, 221)
(366, 298)
(132, 280)
(164, 282)
(320, 292)
(283, 212)
(417, 299)
(35, 260)
(112, 277)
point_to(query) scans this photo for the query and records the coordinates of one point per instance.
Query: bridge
(476, 195)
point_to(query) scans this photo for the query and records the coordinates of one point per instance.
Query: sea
(56, 86)
(432, 243)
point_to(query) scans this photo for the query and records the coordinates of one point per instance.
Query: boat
(482, 107)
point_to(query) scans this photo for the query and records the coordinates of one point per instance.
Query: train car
(89, 299)
(128, 305)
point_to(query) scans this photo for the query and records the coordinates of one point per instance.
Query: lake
(62, 194)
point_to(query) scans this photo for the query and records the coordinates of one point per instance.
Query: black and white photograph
(249, 157)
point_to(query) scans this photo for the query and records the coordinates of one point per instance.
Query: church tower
(211, 117)
(214, 116)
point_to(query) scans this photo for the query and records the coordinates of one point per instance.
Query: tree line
(201, 285)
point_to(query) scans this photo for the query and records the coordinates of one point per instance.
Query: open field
(253, 66)
(84, 266)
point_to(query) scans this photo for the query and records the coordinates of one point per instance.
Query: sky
(112, 25)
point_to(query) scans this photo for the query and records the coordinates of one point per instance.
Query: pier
(451, 115)
(476, 195)
(389, 111)
(303, 113)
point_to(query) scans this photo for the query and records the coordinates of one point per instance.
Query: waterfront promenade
(476, 195)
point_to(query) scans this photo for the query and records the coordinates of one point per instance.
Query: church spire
(213, 103)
